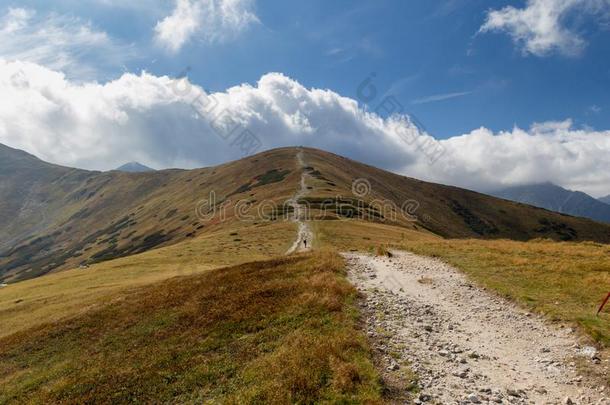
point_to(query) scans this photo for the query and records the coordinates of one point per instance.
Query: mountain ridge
(81, 217)
(555, 198)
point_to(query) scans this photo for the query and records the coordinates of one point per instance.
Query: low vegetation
(345, 235)
(175, 324)
(90, 217)
(270, 177)
(564, 280)
(278, 331)
(65, 294)
(383, 251)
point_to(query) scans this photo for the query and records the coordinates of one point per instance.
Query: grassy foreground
(564, 280)
(278, 331)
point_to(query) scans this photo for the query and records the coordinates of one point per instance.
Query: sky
(480, 94)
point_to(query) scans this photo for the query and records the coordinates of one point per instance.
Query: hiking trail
(304, 232)
(466, 345)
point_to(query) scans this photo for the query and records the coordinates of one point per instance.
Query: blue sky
(418, 49)
(455, 66)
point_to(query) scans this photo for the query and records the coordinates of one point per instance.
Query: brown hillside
(114, 214)
(57, 218)
(447, 211)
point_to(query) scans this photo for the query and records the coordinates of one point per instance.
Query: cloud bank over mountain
(167, 122)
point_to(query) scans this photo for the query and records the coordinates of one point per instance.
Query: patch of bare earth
(465, 344)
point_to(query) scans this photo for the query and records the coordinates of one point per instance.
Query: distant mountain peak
(556, 198)
(545, 184)
(605, 199)
(134, 167)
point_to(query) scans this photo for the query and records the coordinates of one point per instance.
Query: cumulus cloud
(156, 121)
(59, 42)
(541, 29)
(551, 151)
(208, 20)
(166, 122)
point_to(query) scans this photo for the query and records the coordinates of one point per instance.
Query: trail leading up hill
(466, 345)
(304, 234)
(56, 218)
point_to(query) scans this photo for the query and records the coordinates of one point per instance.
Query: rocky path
(304, 234)
(465, 344)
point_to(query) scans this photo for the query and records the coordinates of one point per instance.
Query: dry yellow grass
(445, 210)
(564, 280)
(345, 235)
(281, 331)
(72, 292)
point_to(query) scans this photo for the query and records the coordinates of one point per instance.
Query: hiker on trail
(305, 243)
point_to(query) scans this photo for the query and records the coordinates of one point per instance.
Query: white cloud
(208, 20)
(552, 151)
(59, 42)
(540, 28)
(151, 119)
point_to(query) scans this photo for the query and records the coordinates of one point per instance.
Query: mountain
(54, 218)
(134, 167)
(31, 194)
(605, 200)
(555, 198)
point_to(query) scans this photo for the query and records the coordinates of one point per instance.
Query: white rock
(474, 398)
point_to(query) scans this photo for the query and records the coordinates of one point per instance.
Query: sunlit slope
(281, 331)
(89, 217)
(444, 210)
(110, 215)
(66, 294)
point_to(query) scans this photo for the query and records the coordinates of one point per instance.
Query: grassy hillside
(66, 294)
(564, 280)
(448, 211)
(111, 215)
(280, 331)
(31, 194)
(156, 316)
(364, 236)
(69, 217)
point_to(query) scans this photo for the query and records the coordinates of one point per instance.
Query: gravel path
(465, 344)
(304, 232)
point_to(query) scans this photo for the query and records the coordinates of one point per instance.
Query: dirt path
(304, 234)
(465, 344)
